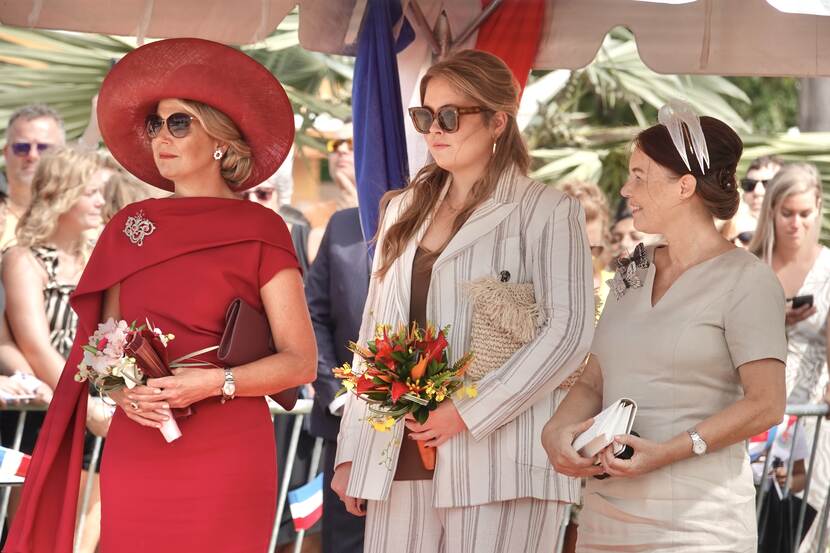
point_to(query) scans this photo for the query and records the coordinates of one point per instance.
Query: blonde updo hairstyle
(489, 83)
(60, 180)
(237, 162)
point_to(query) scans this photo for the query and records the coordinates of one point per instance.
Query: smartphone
(799, 301)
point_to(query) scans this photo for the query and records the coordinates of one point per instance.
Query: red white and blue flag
(13, 462)
(306, 503)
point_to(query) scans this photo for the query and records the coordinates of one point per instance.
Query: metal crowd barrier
(299, 412)
(819, 411)
(303, 408)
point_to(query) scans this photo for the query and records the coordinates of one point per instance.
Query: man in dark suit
(336, 289)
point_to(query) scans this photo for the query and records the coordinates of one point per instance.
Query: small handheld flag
(13, 462)
(306, 503)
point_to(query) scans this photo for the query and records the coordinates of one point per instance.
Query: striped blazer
(537, 234)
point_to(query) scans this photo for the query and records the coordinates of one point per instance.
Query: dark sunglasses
(262, 194)
(447, 117)
(178, 124)
(748, 185)
(22, 149)
(334, 145)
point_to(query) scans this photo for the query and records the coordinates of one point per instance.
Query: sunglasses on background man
(749, 185)
(260, 194)
(334, 145)
(22, 149)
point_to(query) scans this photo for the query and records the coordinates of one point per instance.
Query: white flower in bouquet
(126, 368)
(164, 338)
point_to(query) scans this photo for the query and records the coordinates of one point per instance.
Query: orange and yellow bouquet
(406, 371)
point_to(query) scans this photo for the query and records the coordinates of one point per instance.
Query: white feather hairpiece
(672, 116)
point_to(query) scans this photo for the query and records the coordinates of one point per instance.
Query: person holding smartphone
(789, 225)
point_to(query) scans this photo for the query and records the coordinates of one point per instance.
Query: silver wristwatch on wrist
(229, 387)
(699, 446)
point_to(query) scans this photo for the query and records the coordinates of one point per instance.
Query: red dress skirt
(215, 487)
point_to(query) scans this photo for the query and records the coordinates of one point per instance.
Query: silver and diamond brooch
(138, 227)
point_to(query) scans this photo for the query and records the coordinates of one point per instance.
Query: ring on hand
(135, 406)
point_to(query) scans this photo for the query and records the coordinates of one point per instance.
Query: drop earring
(217, 155)
(494, 147)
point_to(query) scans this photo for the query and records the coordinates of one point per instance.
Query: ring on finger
(135, 406)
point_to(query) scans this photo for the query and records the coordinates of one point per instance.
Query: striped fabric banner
(513, 33)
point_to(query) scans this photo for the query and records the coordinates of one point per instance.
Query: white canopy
(725, 37)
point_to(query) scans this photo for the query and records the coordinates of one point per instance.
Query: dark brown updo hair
(718, 188)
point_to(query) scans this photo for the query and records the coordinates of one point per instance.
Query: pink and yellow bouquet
(121, 355)
(407, 371)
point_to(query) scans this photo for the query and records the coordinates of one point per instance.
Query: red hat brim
(201, 70)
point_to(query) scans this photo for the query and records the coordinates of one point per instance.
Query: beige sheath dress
(678, 360)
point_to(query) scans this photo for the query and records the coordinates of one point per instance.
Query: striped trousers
(408, 523)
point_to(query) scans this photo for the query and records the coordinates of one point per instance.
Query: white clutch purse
(616, 419)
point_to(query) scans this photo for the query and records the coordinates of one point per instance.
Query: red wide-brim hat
(201, 70)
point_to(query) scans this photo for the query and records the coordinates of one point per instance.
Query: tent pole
(419, 20)
(476, 23)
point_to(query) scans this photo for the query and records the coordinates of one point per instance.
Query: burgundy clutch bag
(247, 338)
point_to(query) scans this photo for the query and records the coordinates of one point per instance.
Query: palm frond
(65, 70)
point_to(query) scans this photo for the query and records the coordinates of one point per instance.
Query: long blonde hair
(237, 163)
(59, 182)
(791, 179)
(488, 82)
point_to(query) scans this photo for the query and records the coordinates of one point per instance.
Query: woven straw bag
(505, 318)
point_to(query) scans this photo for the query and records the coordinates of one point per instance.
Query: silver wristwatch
(229, 387)
(698, 444)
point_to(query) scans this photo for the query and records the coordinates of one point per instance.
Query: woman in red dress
(203, 121)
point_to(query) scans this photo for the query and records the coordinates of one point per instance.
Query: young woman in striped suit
(471, 214)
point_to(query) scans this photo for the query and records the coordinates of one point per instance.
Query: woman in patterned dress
(789, 225)
(40, 273)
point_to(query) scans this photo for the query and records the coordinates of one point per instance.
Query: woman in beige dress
(695, 336)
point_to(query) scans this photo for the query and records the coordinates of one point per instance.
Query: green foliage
(584, 132)
(774, 105)
(65, 70)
